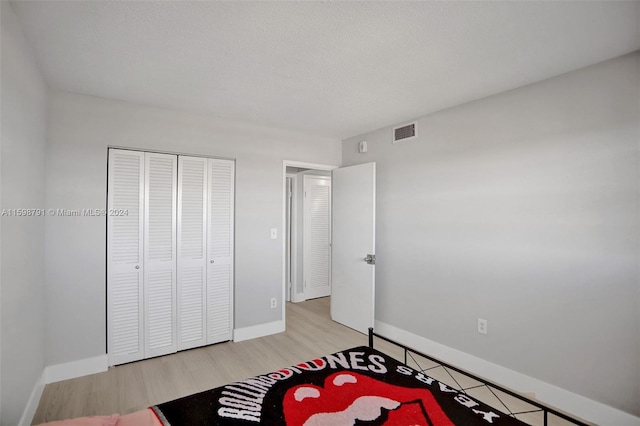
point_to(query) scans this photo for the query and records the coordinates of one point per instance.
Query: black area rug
(359, 386)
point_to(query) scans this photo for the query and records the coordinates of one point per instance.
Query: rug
(358, 386)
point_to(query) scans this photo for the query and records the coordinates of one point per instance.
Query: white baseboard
(246, 333)
(297, 297)
(56, 373)
(565, 400)
(73, 369)
(32, 403)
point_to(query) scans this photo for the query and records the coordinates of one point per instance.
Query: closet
(169, 253)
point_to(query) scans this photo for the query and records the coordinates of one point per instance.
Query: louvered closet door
(192, 251)
(160, 254)
(317, 232)
(125, 257)
(220, 250)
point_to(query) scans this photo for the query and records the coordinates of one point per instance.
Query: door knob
(370, 259)
(137, 266)
(211, 261)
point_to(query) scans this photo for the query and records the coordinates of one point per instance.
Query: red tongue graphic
(409, 414)
(342, 389)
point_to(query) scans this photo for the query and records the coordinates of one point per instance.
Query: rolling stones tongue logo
(362, 399)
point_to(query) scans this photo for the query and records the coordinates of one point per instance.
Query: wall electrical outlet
(274, 302)
(482, 326)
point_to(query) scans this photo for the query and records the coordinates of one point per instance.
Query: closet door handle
(211, 261)
(137, 266)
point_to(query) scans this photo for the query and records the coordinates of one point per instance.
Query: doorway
(352, 245)
(317, 178)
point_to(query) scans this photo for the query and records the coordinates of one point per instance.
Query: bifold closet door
(205, 251)
(220, 228)
(160, 254)
(192, 251)
(141, 256)
(125, 257)
(317, 236)
(170, 259)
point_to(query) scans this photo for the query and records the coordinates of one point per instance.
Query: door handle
(370, 259)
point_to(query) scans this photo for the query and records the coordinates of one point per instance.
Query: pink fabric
(87, 421)
(139, 418)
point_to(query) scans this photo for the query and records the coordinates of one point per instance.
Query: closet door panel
(160, 254)
(125, 257)
(126, 325)
(317, 236)
(219, 303)
(159, 309)
(192, 253)
(220, 221)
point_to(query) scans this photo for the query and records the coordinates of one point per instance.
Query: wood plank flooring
(135, 386)
(131, 387)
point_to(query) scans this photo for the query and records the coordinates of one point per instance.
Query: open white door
(353, 254)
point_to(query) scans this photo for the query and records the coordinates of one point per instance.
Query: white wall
(81, 129)
(523, 209)
(23, 136)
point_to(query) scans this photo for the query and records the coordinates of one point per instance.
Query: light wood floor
(310, 334)
(135, 386)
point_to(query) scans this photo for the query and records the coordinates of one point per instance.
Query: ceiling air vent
(404, 133)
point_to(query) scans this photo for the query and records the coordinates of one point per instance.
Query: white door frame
(302, 165)
(293, 237)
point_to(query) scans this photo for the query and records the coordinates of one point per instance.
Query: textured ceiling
(328, 68)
